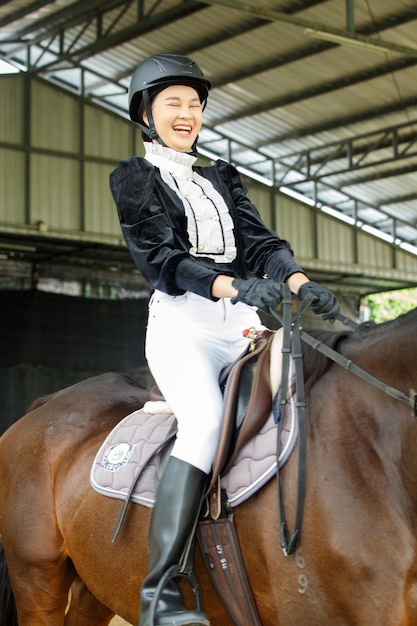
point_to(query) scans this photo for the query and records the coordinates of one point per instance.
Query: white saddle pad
(130, 444)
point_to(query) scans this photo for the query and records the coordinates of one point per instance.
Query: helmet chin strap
(150, 130)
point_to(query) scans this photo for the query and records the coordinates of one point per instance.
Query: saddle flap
(247, 403)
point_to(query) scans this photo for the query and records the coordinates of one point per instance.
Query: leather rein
(293, 335)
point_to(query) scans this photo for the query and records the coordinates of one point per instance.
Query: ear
(145, 118)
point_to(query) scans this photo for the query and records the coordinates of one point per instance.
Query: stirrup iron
(194, 617)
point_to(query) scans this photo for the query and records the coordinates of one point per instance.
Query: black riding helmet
(156, 73)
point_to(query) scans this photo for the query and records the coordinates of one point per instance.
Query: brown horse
(357, 561)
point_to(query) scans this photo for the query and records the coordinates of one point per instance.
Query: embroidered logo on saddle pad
(117, 456)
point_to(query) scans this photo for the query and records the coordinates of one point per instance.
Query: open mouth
(184, 129)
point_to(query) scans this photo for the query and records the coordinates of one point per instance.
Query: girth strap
(221, 551)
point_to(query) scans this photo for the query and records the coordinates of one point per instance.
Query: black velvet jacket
(154, 226)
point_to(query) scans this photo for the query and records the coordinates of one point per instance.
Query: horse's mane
(371, 329)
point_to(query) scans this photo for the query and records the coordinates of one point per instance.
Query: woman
(195, 237)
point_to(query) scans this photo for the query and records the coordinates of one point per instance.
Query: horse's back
(89, 406)
(59, 425)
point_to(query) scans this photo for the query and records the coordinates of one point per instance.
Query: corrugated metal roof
(334, 122)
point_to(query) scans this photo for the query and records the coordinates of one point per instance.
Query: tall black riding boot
(178, 501)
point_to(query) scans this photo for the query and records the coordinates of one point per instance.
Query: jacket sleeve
(156, 237)
(264, 251)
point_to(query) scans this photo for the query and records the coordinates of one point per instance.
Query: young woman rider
(195, 237)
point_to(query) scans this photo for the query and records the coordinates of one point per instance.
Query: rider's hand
(260, 292)
(324, 300)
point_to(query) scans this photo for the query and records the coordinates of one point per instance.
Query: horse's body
(357, 561)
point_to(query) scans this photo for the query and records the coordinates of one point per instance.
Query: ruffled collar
(177, 163)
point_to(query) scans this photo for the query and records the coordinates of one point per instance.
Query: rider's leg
(177, 505)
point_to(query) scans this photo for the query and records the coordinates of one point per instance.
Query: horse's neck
(387, 351)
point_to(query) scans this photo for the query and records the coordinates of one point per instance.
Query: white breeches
(189, 340)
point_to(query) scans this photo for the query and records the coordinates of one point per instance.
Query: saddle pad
(136, 438)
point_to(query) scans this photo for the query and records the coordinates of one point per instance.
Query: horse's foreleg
(85, 609)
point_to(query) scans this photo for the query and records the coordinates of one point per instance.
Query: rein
(292, 347)
(410, 401)
(293, 335)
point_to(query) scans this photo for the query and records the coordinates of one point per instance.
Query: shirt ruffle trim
(209, 224)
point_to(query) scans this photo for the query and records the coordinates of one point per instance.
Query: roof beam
(319, 90)
(279, 16)
(64, 18)
(382, 175)
(112, 39)
(24, 11)
(388, 22)
(372, 113)
(410, 197)
(319, 184)
(210, 40)
(353, 152)
(238, 31)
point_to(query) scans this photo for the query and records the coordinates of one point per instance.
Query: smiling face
(178, 116)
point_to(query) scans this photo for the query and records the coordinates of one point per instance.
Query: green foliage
(388, 305)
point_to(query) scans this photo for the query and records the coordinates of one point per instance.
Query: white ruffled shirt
(209, 224)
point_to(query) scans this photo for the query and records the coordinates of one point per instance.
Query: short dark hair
(141, 111)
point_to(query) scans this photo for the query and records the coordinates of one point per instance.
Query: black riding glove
(325, 302)
(260, 292)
